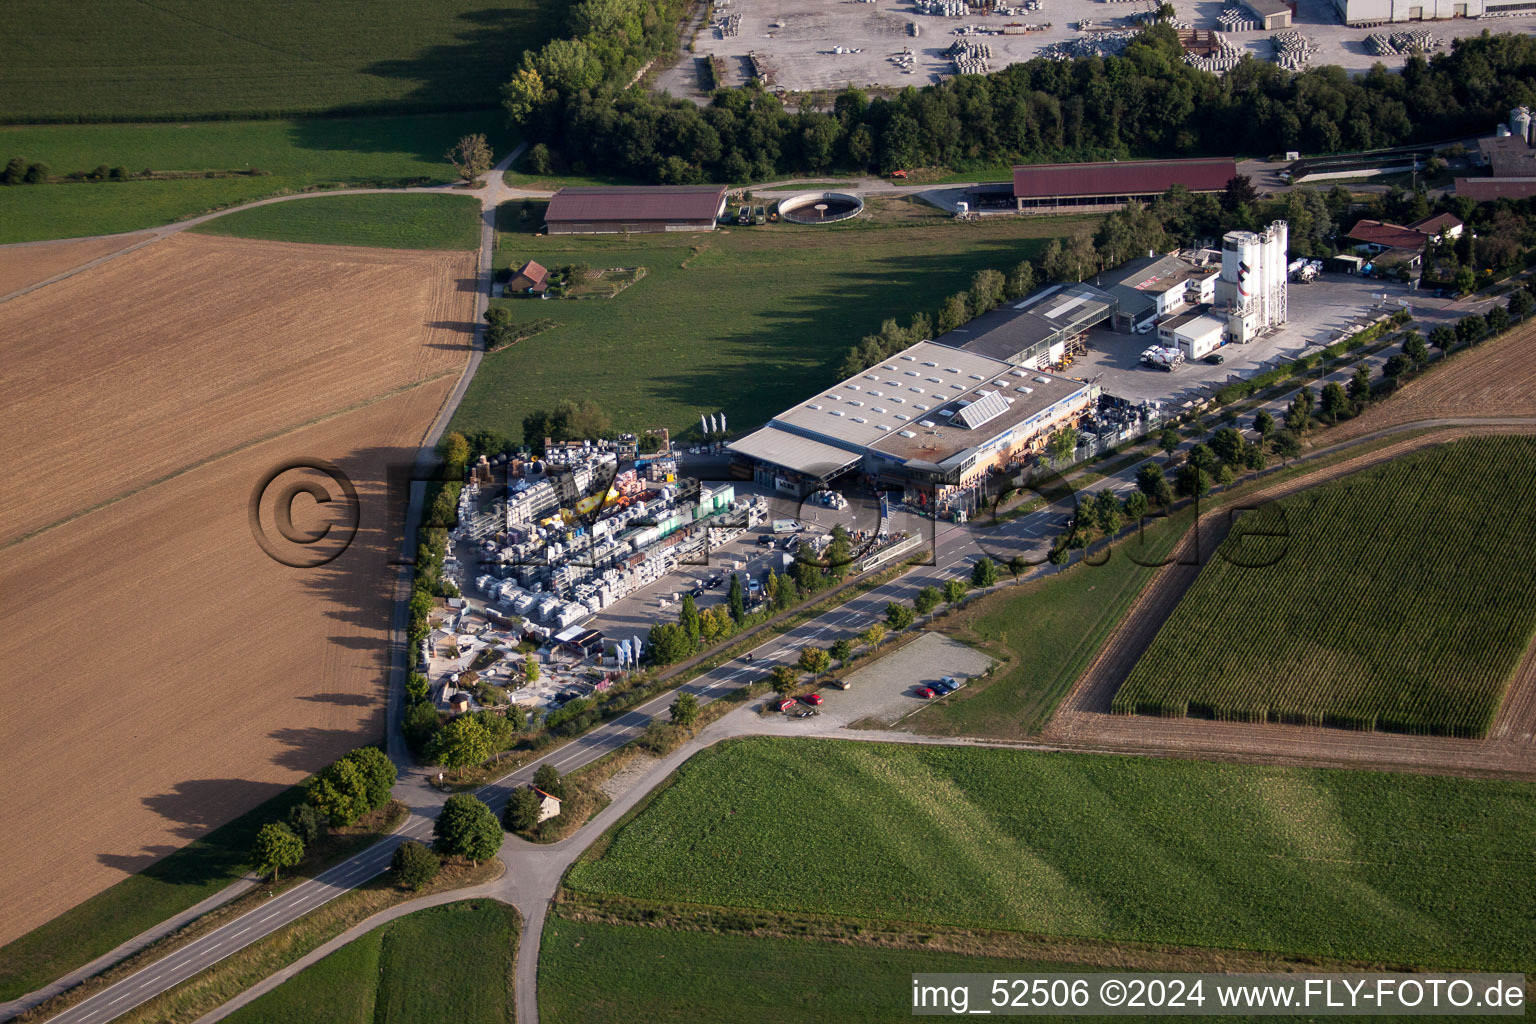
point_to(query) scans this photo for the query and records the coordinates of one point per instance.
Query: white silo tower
(1276, 281)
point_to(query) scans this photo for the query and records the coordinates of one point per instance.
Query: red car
(814, 699)
(787, 703)
(926, 692)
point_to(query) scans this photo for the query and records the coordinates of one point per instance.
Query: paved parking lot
(884, 692)
(1318, 312)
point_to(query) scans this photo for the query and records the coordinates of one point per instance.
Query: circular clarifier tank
(820, 207)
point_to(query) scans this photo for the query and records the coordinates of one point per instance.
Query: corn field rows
(1403, 601)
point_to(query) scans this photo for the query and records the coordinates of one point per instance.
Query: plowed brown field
(164, 674)
(24, 265)
(195, 345)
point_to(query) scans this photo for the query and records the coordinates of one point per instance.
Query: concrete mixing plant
(1253, 286)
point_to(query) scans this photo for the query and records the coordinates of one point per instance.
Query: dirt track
(166, 674)
(195, 345)
(1084, 719)
(23, 266)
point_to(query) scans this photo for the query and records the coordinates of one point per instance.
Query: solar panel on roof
(989, 406)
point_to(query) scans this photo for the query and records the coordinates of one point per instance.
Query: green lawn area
(745, 320)
(1352, 865)
(85, 61)
(451, 964)
(1050, 629)
(294, 155)
(593, 973)
(1396, 603)
(399, 221)
(139, 901)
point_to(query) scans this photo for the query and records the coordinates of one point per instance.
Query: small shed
(459, 703)
(549, 804)
(1271, 14)
(530, 279)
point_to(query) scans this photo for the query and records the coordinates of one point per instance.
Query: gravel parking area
(883, 691)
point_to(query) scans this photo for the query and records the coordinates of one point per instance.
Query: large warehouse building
(609, 211)
(1377, 12)
(1050, 188)
(930, 420)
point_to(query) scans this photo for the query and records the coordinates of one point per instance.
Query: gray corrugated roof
(650, 202)
(791, 451)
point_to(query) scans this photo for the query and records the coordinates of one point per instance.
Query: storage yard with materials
(801, 45)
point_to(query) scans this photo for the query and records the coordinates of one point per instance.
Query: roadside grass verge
(1348, 865)
(240, 970)
(288, 156)
(398, 973)
(758, 318)
(394, 221)
(163, 890)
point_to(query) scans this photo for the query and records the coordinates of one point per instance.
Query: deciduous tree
(413, 865)
(276, 847)
(471, 156)
(467, 828)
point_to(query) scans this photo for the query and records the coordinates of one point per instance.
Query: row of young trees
(570, 96)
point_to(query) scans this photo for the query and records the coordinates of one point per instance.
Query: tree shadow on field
(346, 700)
(198, 805)
(312, 749)
(466, 75)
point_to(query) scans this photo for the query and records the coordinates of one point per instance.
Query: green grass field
(1341, 864)
(451, 964)
(294, 154)
(1050, 629)
(85, 61)
(403, 221)
(1402, 602)
(757, 318)
(592, 973)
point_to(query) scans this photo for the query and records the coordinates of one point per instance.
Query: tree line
(571, 98)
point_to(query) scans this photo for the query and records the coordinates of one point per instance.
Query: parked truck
(1159, 358)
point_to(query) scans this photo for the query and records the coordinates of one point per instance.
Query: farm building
(1049, 188)
(530, 279)
(599, 211)
(932, 419)
(1510, 159)
(549, 804)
